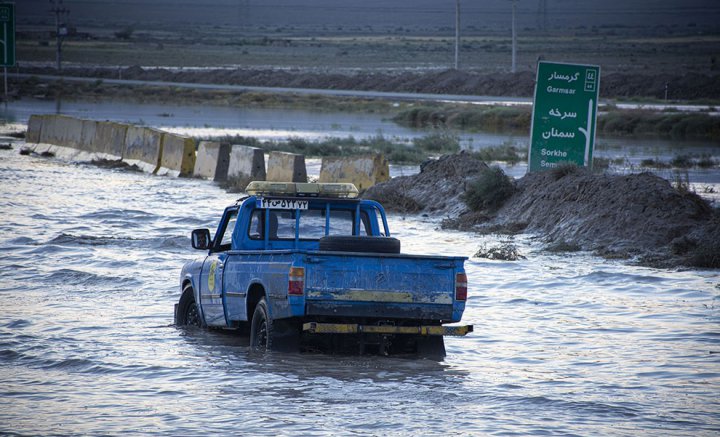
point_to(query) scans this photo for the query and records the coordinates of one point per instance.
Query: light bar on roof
(298, 189)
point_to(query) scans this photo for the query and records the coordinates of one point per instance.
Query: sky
(377, 14)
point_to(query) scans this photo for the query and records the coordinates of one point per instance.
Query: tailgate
(374, 285)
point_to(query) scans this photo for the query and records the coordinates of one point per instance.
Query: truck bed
(395, 286)
(351, 285)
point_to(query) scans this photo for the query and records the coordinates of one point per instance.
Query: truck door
(212, 275)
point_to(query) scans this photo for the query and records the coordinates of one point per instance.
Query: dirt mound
(623, 216)
(437, 188)
(638, 216)
(521, 84)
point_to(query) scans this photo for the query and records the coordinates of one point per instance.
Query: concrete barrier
(363, 171)
(286, 167)
(109, 139)
(178, 154)
(143, 147)
(246, 163)
(47, 133)
(87, 135)
(212, 161)
(61, 130)
(59, 152)
(32, 136)
(41, 148)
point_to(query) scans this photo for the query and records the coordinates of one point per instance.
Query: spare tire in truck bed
(342, 243)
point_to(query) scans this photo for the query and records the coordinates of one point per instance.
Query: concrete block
(246, 163)
(61, 130)
(143, 146)
(364, 171)
(212, 161)
(47, 133)
(286, 167)
(32, 136)
(87, 135)
(109, 138)
(178, 154)
(41, 148)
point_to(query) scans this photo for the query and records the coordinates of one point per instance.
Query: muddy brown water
(563, 344)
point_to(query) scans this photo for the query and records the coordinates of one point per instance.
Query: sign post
(7, 33)
(564, 115)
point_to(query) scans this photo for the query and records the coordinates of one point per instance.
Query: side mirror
(201, 239)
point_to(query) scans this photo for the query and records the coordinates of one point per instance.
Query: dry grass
(616, 49)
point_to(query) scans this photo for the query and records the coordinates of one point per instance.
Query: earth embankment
(613, 85)
(639, 217)
(436, 189)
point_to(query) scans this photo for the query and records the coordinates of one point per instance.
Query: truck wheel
(278, 335)
(343, 243)
(187, 311)
(261, 327)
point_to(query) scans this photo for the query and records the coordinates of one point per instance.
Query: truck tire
(277, 335)
(261, 327)
(342, 243)
(187, 313)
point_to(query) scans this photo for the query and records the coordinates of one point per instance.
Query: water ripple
(563, 344)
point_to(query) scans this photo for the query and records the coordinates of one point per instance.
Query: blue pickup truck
(312, 267)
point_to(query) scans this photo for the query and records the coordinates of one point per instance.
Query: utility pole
(513, 69)
(60, 29)
(457, 34)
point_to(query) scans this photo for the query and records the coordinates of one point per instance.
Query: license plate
(282, 204)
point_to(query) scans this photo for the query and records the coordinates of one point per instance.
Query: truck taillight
(296, 281)
(461, 286)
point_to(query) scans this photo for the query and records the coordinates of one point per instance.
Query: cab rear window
(312, 222)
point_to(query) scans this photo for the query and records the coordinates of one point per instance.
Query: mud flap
(431, 347)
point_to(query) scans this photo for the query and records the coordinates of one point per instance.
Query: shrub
(564, 169)
(682, 161)
(653, 163)
(489, 191)
(506, 153)
(495, 119)
(681, 182)
(505, 252)
(646, 123)
(706, 162)
(125, 33)
(438, 142)
(706, 255)
(600, 164)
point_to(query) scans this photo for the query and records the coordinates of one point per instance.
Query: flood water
(563, 344)
(280, 124)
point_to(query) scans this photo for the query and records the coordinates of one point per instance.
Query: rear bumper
(385, 310)
(350, 328)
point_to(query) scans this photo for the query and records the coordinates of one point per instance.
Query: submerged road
(489, 100)
(479, 100)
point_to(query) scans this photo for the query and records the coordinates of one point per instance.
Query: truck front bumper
(350, 328)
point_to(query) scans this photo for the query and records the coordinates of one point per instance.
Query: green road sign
(564, 114)
(7, 35)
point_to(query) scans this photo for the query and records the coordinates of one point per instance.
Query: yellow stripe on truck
(349, 328)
